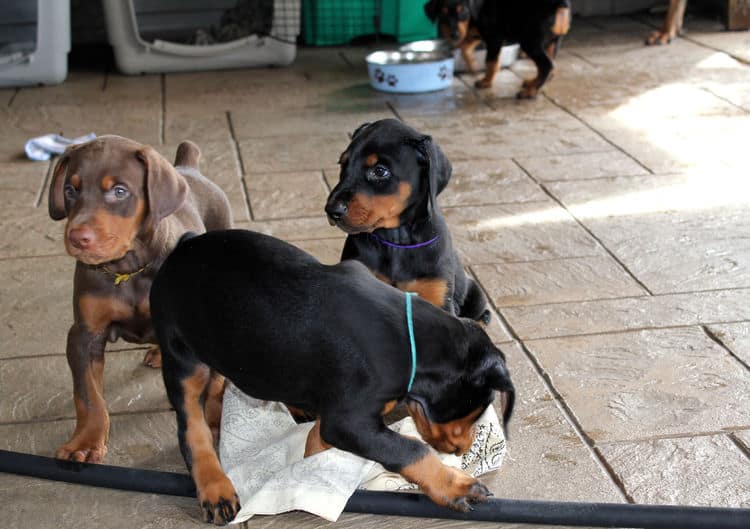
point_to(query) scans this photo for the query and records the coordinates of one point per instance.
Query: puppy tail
(188, 155)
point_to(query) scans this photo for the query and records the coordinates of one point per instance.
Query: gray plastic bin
(130, 23)
(34, 41)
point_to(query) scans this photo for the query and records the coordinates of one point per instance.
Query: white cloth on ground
(262, 449)
(42, 148)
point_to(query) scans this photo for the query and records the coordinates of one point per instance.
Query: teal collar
(410, 325)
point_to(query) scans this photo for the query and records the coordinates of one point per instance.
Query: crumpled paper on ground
(262, 449)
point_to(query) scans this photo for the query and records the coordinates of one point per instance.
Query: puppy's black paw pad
(222, 512)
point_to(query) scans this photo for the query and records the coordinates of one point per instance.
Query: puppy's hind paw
(152, 358)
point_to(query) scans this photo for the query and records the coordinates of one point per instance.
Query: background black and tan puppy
(386, 200)
(331, 340)
(536, 25)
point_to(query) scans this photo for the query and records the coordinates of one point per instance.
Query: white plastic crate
(34, 41)
(136, 52)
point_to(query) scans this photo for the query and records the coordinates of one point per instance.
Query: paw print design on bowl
(379, 75)
(443, 73)
(392, 80)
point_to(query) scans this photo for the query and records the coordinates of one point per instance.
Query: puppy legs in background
(559, 29)
(492, 63)
(536, 53)
(672, 24)
(467, 52)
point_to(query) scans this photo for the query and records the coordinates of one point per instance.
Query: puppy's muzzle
(336, 211)
(82, 238)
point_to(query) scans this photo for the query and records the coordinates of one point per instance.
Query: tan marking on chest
(434, 290)
(97, 313)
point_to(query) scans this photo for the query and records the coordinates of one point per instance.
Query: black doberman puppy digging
(332, 340)
(536, 25)
(386, 200)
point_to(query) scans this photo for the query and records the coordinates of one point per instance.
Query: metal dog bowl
(410, 71)
(508, 54)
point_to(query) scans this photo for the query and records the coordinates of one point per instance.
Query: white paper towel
(262, 449)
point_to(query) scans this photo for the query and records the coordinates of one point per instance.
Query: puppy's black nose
(336, 210)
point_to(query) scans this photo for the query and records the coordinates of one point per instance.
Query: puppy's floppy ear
(431, 9)
(56, 197)
(439, 168)
(496, 376)
(166, 189)
(359, 129)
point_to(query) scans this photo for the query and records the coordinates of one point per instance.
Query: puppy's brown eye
(378, 173)
(70, 191)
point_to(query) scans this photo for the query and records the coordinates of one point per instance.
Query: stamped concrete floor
(608, 221)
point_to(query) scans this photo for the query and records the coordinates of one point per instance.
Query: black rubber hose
(402, 504)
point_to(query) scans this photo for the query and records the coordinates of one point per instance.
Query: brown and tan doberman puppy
(672, 24)
(126, 207)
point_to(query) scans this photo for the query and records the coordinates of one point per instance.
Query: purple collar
(404, 246)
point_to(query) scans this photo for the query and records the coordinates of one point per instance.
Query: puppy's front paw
(476, 493)
(451, 487)
(483, 83)
(528, 92)
(219, 501)
(87, 447)
(659, 38)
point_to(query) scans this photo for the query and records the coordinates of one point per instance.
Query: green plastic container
(335, 22)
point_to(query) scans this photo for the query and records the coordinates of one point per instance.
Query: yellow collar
(121, 278)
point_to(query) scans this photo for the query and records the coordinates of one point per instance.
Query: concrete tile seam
(713, 336)
(629, 330)
(72, 417)
(728, 432)
(62, 353)
(649, 296)
(598, 133)
(237, 152)
(566, 411)
(393, 110)
(585, 228)
(744, 447)
(737, 58)
(12, 97)
(45, 183)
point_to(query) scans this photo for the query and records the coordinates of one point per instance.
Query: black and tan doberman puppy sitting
(331, 340)
(538, 26)
(126, 207)
(386, 200)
